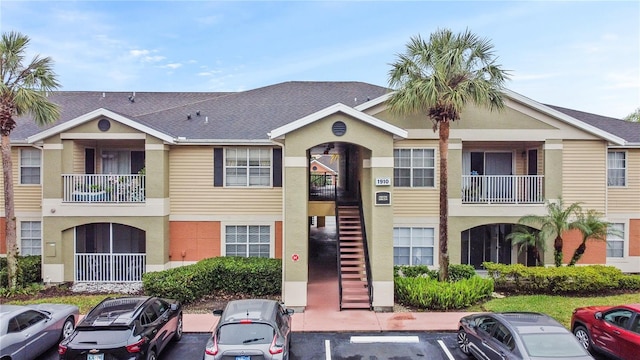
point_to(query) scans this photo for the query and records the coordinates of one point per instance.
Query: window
(247, 241)
(248, 167)
(30, 238)
(413, 167)
(30, 166)
(615, 241)
(413, 246)
(616, 168)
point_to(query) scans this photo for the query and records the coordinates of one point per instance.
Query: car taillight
(136, 347)
(245, 321)
(62, 349)
(275, 349)
(213, 348)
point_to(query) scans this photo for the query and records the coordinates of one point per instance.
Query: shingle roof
(247, 115)
(627, 130)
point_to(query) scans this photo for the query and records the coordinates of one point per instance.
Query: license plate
(243, 357)
(95, 356)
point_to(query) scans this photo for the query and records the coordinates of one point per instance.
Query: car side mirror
(598, 315)
(471, 323)
(217, 312)
(174, 307)
(290, 311)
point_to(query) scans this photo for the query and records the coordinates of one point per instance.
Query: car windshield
(554, 345)
(253, 333)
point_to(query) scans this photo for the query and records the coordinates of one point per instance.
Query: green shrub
(427, 293)
(461, 271)
(569, 280)
(233, 275)
(630, 282)
(29, 271)
(456, 271)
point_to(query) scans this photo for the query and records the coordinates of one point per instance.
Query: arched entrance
(109, 252)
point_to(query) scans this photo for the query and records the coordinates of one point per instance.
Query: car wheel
(151, 355)
(463, 341)
(178, 334)
(67, 328)
(582, 334)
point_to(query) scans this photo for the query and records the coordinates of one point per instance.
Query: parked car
(251, 329)
(517, 335)
(28, 331)
(612, 330)
(124, 328)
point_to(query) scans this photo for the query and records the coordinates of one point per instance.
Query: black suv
(251, 329)
(124, 328)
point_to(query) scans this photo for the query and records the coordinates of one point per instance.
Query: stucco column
(552, 181)
(455, 197)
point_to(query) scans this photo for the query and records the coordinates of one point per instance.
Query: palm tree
(526, 238)
(23, 90)
(554, 224)
(592, 227)
(439, 78)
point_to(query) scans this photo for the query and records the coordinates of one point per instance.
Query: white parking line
(384, 339)
(446, 351)
(327, 350)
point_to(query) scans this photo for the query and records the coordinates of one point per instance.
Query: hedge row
(29, 271)
(456, 271)
(232, 275)
(581, 280)
(428, 293)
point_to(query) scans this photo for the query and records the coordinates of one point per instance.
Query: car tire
(582, 334)
(152, 355)
(178, 334)
(463, 341)
(67, 328)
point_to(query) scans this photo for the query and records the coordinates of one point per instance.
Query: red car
(612, 330)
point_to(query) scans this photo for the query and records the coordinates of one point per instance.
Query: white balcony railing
(502, 189)
(90, 188)
(91, 267)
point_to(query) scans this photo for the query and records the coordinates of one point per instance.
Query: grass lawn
(558, 307)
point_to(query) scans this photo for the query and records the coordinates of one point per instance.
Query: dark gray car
(28, 331)
(517, 335)
(251, 329)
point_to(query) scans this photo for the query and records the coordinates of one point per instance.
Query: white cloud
(172, 66)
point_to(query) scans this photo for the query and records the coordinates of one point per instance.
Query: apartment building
(127, 183)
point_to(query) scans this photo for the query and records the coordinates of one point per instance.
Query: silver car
(517, 335)
(28, 331)
(251, 329)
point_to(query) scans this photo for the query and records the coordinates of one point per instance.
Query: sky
(582, 55)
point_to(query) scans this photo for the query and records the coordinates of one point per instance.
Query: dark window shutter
(277, 167)
(218, 168)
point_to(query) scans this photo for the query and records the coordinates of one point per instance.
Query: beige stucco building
(129, 183)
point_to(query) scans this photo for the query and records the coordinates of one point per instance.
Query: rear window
(102, 337)
(254, 333)
(558, 345)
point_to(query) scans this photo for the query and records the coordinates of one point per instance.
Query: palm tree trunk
(578, 253)
(557, 251)
(444, 200)
(536, 254)
(9, 211)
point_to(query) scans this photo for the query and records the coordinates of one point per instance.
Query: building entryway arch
(109, 252)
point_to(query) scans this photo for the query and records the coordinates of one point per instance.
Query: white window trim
(223, 235)
(624, 240)
(224, 165)
(626, 168)
(19, 233)
(20, 166)
(435, 168)
(435, 246)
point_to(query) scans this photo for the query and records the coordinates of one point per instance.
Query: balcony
(92, 267)
(91, 188)
(502, 189)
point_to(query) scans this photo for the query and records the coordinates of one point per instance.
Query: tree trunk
(578, 253)
(444, 201)
(536, 254)
(557, 251)
(9, 211)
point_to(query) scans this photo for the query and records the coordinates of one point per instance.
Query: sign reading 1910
(383, 182)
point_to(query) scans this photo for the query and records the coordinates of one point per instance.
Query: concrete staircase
(354, 283)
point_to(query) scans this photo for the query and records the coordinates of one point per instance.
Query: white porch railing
(91, 188)
(91, 267)
(502, 189)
